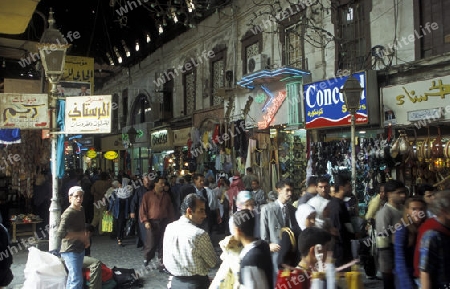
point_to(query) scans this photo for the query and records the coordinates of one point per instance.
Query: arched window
(140, 111)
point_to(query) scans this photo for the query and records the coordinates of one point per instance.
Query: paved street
(129, 256)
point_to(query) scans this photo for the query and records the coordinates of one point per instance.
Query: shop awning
(270, 75)
(15, 15)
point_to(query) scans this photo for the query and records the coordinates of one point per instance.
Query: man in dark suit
(197, 187)
(274, 217)
(83, 91)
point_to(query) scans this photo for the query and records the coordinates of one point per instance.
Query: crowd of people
(273, 240)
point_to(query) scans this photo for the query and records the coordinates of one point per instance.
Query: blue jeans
(74, 263)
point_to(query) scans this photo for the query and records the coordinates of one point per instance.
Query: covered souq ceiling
(104, 26)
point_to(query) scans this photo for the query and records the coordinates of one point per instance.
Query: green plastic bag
(107, 222)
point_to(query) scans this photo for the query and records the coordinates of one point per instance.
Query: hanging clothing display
(250, 150)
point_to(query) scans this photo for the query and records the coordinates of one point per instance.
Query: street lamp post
(52, 50)
(352, 95)
(132, 133)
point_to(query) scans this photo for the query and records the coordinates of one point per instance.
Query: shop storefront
(275, 143)
(162, 151)
(109, 159)
(137, 155)
(207, 147)
(328, 124)
(417, 113)
(181, 143)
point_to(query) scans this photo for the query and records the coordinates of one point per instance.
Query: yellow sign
(79, 68)
(91, 154)
(110, 155)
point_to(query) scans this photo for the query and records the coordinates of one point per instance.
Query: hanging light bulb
(161, 30)
(164, 22)
(137, 45)
(148, 38)
(111, 61)
(175, 18)
(119, 58)
(125, 47)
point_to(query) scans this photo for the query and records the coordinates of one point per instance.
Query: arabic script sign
(427, 95)
(88, 114)
(79, 68)
(24, 111)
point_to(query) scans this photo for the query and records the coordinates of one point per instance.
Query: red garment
(235, 187)
(294, 279)
(215, 136)
(189, 144)
(156, 207)
(107, 273)
(430, 224)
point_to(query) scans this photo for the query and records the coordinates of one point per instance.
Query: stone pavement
(106, 250)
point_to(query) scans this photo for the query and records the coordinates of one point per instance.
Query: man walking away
(256, 271)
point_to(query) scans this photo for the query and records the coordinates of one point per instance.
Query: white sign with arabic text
(88, 114)
(24, 111)
(418, 101)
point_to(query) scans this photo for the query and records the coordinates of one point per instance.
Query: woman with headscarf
(119, 206)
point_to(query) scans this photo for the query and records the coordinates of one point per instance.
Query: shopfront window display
(292, 157)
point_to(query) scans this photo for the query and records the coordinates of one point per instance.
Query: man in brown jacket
(98, 191)
(155, 212)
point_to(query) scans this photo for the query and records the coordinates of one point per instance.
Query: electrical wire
(93, 28)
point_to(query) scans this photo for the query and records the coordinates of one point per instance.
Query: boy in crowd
(299, 277)
(432, 254)
(256, 262)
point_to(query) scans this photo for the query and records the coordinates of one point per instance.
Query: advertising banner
(79, 69)
(325, 105)
(88, 114)
(24, 111)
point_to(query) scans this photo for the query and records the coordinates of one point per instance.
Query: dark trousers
(121, 220)
(388, 281)
(154, 240)
(190, 282)
(142, 233)
(212, 221)
(275, 263)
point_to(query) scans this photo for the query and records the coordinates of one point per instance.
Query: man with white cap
(74, 238)
(244, 201)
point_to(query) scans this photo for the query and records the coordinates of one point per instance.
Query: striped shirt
(188, 250)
